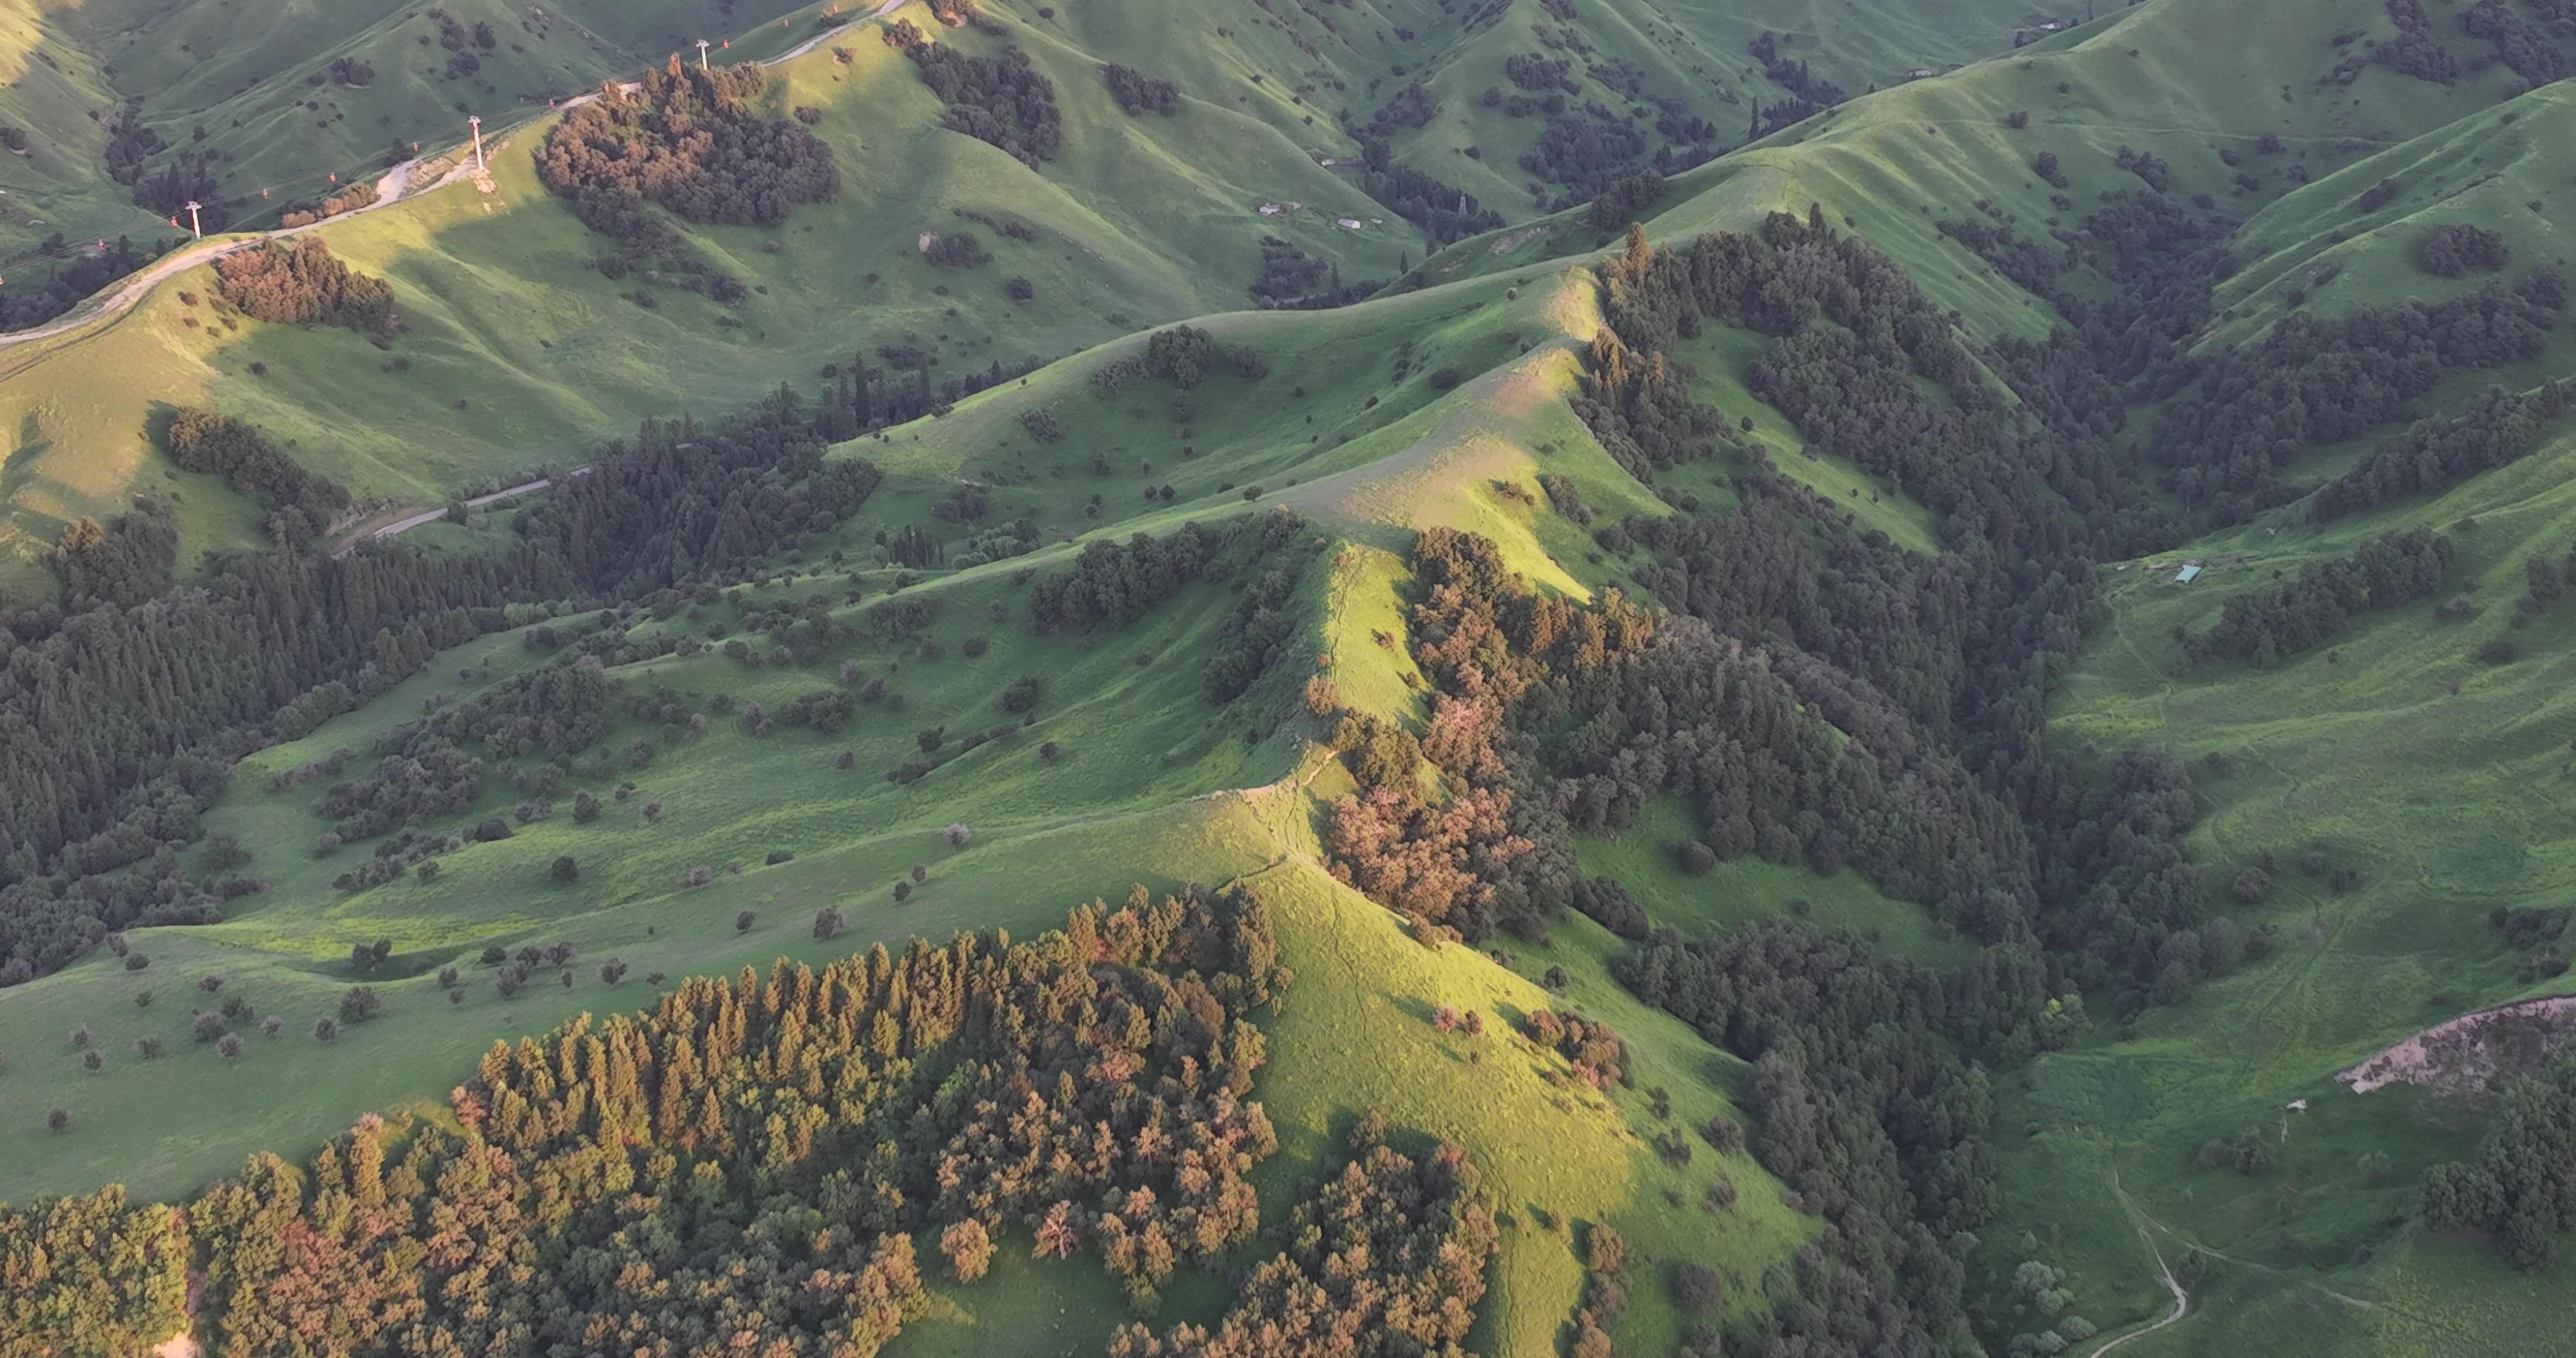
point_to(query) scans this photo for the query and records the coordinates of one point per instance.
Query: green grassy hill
(2425, 749)
(1139, 221)
(264, 87)
(2182, 80)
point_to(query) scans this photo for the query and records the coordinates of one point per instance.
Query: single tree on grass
(969, 1248)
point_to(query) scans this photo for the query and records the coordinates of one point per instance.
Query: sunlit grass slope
(517, 354)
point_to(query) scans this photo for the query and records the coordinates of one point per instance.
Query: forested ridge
(748, 1165)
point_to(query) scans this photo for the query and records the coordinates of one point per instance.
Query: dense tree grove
(1386, 1261)
(1004, 100)
(2524, 47)
(2416, 50)
(1826, 698)
(92, 1275)
(118, 724)
(2458, 248)
(119, 565)
(2314, 381)
(2263, 625)
(1863, 1111)
(2521, 1190)
(302, 505)
(746, 1167)
(2441, 451)
(692, 141)
(302, 283)
(1112, 584)
(1137, 92)
(1618, 203)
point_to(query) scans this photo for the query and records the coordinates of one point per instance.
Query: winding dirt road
(2181, 1300)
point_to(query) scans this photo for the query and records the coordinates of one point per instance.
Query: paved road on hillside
(390, 189)
(410, 522)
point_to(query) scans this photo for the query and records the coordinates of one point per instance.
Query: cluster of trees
(67, 285)
(300, 282)
(692, 141)
(118, 724)
(2520, 44)
(1004, 101)
(2521, 1189)
(866, 397)
(2459, 247)
(1491, 851)
(1138, 92)
(1828, 698)
(2324, 598)
(1185, 355)
(350, 199)
(1442, 210)
(2442, 450)
(117, 566)
(302, 504)
(2155, 267)
(1386, 1259)
(1113, 584)
(189, 177)
(94, 1274)
(681, 501)
(1877, 1122)
(2316, 381)
(748, 1165)
(1258, 632)
(1289, 279)
(1619, 202)
(1808, 96)
(2416, 50)
(1586, 152)
(1946, 660)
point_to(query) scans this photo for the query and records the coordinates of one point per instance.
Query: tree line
(123, 713)
(2325, 597)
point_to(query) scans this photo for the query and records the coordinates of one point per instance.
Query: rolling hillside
(2005, 637)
